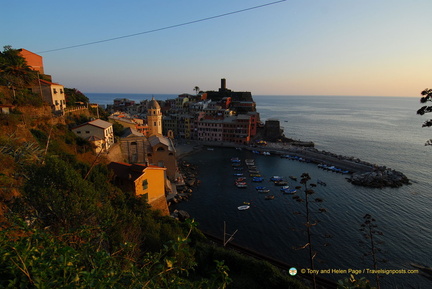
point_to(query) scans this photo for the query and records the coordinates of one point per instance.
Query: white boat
(243, 207)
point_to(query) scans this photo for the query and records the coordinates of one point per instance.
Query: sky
(292, 47)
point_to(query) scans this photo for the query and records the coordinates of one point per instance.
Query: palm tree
(197, 89)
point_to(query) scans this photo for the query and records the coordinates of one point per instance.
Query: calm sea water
(381, 130)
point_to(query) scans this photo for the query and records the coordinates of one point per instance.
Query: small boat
(260, 188)
(266, 153)
(241, 179)
(321, 183)
(246, 203)
(257, 179)
(275, 178)
(264, 191)
(289, 191)
(293, 178)
(269, 197)
(238, 168)
(284, 188)
(243, 207)
(255, 175)
(281, 183)
(238, 175)
(241, 185)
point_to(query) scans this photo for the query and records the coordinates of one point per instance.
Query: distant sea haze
(108, 98)
(381, 130)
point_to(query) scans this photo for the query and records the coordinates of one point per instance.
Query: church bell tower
(154, 118)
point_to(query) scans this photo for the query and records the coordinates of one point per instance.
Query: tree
(426, 96)
(196, 89)
(305, 178)
(14, 71)
(370, 233)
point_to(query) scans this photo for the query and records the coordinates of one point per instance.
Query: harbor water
(381, 130)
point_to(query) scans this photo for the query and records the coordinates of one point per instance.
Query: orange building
(34, 60)
(146, 181)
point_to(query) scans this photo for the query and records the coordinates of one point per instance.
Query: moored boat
(243, 207)
(281, 183)
(289, 191)
(269, 197)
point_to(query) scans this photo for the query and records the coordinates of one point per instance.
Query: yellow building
(146, 181)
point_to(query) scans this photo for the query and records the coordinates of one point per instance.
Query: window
(54, 90)
(87, 131)
(145, 184)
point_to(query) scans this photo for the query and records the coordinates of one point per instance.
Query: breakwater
(361, 173)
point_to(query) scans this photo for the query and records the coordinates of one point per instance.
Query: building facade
(145, 181)
(98, 131)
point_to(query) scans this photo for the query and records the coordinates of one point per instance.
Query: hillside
(84, 231)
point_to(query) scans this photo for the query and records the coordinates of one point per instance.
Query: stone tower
(154, 118)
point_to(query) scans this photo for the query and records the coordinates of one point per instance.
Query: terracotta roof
(47, 82)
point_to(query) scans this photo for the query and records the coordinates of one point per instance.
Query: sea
(380, 130)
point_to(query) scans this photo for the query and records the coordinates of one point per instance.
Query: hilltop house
(51, 92)
(98, 132)
(146, 181)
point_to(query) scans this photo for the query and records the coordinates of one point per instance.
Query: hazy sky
(295, 47)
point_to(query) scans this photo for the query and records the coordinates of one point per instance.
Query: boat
(238, 175)
(243, 207)
(264, 191)
(210, 149)
(257, 179)
(255, 175)
(241, 185)
(266, 153)
(322, 183)
(241, 179)
(269, 197)
(289, 191)
(276, 178)
(260, 188)
(284, 188)
(293, 178)
(281, 183)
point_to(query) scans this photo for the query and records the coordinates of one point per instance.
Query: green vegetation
(74, 97)
(426, 97)
(66, 226)
(16, 75)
